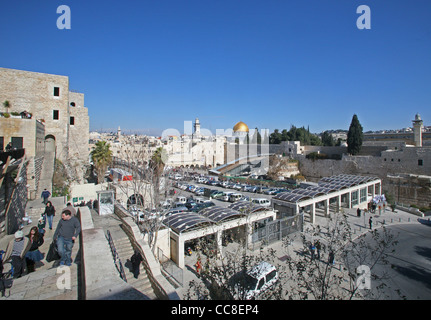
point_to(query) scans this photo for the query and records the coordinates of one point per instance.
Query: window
(72, 121)
(56, 91)
(1, 143)
(271, 275)
(420, 162)
(17, 142)
(261, 283)
(55, 114)
(72, 104)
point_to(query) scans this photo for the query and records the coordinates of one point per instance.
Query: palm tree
(102, 157)
(157, 164)
(6, 104)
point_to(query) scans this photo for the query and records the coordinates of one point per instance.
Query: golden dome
(240, 127)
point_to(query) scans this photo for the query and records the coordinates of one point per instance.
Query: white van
(181, 199)
(261, 202)
(235, 197)
(225, 196)
(256, 281)
(202, 179)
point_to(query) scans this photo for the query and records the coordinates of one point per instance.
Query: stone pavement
(46, 283)
(359, 226)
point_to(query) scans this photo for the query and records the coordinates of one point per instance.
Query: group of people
(23, 250)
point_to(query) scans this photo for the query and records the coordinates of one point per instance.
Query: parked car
(216, 194)
(176, 210)
(235, 197)
(253, 283)
(181, 199)
(225, 196)
(261, 201)
(203, 205)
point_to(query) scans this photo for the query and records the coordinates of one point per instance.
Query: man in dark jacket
(68, 229)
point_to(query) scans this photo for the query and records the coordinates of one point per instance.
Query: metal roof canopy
(325, 186)
(246, 207)
(183, 221)
(217, 213)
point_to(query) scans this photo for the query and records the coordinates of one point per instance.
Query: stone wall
(35, 92)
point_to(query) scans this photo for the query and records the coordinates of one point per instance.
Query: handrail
(116, 257)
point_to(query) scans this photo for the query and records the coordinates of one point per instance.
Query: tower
(417, 130)
(197, 128)
(119, 133)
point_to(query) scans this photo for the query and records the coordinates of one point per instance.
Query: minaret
(197, 128)
(418, 124)
(119, 133)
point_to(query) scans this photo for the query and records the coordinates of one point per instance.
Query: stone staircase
(125, 251)
(47, 172)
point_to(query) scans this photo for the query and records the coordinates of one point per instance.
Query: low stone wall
(163, 289)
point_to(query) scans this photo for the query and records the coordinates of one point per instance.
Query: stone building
(53, 120)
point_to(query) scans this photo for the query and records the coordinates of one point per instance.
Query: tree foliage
(295, 134)
(101, 157)
(354, 136)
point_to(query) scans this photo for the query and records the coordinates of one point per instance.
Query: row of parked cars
(228, 196)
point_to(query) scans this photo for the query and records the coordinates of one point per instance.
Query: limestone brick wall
(24, 128)
(79, 125)
(40, 94)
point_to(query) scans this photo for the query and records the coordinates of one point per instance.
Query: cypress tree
(354, 136)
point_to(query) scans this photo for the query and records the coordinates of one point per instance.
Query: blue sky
(151, 65)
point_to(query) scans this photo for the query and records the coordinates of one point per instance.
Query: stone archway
(50, 143)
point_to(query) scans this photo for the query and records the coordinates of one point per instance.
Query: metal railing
(116, 257)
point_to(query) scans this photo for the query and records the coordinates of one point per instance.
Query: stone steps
(125, 251)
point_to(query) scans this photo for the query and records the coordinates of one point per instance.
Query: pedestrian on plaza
(331, 257)
(371, 222)
(71, 208)
(198, 266)
(318, 248)
(34, 255)
(16, 251)
(358, 212)
(312, 250)
(41, 223)
(67, 231)
(136, 260)
(49, 213)
(45, 195)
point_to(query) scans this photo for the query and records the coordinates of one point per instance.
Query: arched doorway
(135, 199)
(50, 143)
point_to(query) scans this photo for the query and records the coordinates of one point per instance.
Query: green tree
(354, 136)
(101, 157)
(327, 139)
(6, 104)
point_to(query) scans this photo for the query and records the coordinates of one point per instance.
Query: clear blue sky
(270, 63)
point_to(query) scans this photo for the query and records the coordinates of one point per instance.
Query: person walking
(331, 257)
(49, 213)
(312, 250)
(318, 248)
(65, 234)
(136, 260)
(45, 195)
(358, 212)
(370, 222)
(16, 251)
(71, 208)
(34, 255)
